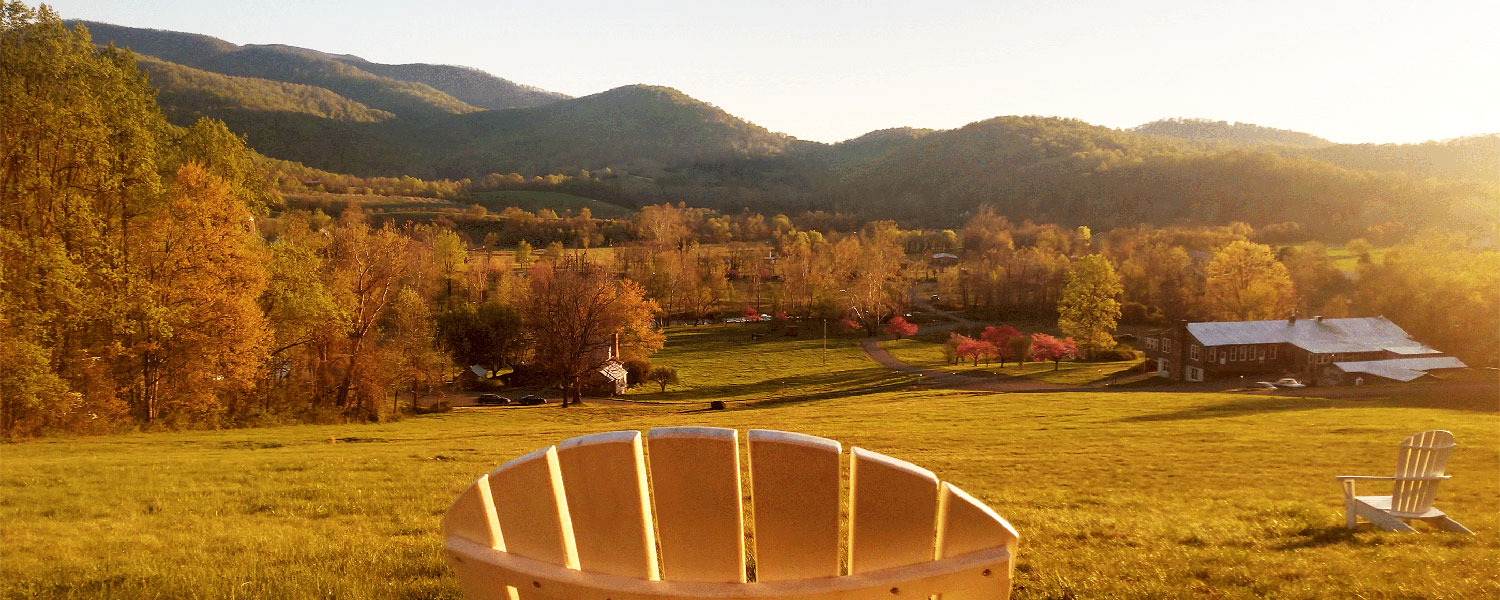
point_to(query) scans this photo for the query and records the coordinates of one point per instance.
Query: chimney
(615, 350)
(1291, 319)
(1318, 319)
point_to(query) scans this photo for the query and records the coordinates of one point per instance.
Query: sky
(1352, 72)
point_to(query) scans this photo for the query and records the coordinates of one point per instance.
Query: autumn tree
(573, 313)
(523, 254)
(367, 268)
(1246, 283)
(1090, 309)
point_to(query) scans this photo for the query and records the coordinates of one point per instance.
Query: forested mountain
(470, 85)
(280, 63)
(186, 94)
(1205, 130)
(1475, 157)
(655, 144)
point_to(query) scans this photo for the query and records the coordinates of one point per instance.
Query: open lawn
(1116, 495)
(920, 353)
(722, 362)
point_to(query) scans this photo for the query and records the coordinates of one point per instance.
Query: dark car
(531, 400)
(491, 400)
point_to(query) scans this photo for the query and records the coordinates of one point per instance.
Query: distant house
(1326, 351)
(943, 260)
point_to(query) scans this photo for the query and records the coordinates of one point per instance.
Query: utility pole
(825, 341)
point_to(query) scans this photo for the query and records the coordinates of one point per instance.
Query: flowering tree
(1046, 347)
(1001, 337)
(751, 314)
(976, 349)
(848, 325)
(899, 328)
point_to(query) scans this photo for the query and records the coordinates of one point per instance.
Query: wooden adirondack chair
(575, 521)
(1419, 470)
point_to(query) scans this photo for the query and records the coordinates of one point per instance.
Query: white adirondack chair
(575, 521)
(1419, 470)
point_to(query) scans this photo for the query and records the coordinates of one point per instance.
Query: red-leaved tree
(1001, 337)
(751, 314)
(1046, 347)
(848, 325)
(899, 328)
(976, 349)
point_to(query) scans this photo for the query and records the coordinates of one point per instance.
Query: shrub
(1118, 353)
(636, 370)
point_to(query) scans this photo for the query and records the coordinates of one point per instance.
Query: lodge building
(1316, 350)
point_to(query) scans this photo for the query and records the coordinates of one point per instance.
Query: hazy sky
(1367, 71)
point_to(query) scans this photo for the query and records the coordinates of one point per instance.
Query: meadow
(1117, 494)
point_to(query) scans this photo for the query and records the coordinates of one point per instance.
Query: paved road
(951, 380)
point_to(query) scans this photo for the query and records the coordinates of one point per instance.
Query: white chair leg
(1446, 524)
(1350, 516)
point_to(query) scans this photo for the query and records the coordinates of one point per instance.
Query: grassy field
(557, 201)
(1116, 495)
(926, 354)
(721, 362)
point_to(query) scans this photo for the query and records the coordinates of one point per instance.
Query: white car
(1264, 385)
(1288, 382)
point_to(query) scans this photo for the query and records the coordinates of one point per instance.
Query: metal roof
(1401, 369)
(1365, 334)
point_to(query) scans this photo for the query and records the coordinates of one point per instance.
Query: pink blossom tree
(899, 328)
(1046, 347)
(1001, 337)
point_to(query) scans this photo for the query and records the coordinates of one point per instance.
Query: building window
(1260, 352)
(1193, 352)
(1151, 343)
(1273, 352)
(1211, 352)
(1166, 345)
(1312, 358)
(1244, 352)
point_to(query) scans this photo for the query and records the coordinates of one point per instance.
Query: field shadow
(1318, 537)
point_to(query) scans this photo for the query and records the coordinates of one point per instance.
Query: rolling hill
(1205, 130)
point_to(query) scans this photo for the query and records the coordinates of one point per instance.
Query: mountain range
(345, 114)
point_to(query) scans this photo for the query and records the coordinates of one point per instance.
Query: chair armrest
(1363, 478)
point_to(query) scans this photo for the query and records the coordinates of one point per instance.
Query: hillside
(1205, 130)
(473, 86)
(281, 63)
(186, 94)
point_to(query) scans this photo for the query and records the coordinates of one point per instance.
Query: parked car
(1264, 385)
(492, 400)
(531, 400)
(1288, 382)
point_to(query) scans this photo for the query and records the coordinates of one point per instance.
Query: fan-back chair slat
(527, 494)
(605, 479)
(695, 481)
(794, 482)
(966, 525)
(894, 519)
